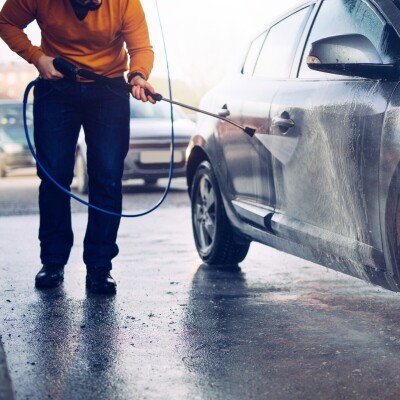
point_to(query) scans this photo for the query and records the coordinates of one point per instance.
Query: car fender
(204, 143)
(203, 148)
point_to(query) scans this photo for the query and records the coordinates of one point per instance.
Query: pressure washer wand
(71, 71)
(159, 97)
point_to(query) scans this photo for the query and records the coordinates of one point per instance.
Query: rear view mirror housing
(350, 55)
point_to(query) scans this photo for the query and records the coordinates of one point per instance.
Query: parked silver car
(321, 177)
(149, 151)
(14, 151)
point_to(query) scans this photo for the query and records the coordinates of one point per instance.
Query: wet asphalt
(275, 327)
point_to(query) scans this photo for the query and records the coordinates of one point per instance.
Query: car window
(339, 17)
(275, 60)
(252, 55)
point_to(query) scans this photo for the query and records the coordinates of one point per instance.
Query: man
(90, 34)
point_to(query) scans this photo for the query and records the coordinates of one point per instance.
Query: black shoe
(99, 281)
(50, 276)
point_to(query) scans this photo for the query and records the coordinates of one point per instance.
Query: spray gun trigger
(249, 131)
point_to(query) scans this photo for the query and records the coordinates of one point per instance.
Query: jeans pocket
(42, 89)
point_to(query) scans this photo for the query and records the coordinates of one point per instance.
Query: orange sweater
(95, 44)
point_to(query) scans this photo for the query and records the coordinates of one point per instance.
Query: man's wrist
(134, 75)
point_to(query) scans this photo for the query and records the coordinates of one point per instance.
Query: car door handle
(224, 112)
(285, 123)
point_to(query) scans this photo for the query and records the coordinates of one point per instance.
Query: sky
(205, 39)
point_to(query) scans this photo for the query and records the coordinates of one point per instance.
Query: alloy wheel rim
(205, 214)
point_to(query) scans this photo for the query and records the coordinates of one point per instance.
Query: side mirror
(349, 55)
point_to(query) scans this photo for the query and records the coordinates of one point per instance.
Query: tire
(212, 231)
(392, 227)
(82, 178)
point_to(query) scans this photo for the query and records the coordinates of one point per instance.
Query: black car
(320, 179)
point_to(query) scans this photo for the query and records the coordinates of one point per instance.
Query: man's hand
(46, 68)
(138, 86)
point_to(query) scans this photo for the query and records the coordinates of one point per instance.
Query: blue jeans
(60, 109)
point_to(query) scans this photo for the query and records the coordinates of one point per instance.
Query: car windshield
(148, 110)
(11, 121)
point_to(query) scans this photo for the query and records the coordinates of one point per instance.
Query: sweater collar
(81, 11)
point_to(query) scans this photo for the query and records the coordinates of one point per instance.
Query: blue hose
(172, 147)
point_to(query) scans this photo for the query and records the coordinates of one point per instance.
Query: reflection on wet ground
(274, 328)
(68, 353)
(282, 341)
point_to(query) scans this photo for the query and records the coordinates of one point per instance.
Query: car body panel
(330, 185)
(240, 151)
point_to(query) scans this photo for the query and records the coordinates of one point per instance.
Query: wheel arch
(197, 156)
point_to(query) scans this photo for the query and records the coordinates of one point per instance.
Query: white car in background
(149, 150)
(14, 151)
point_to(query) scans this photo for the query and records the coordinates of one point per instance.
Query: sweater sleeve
(136, 37)
(15, 16)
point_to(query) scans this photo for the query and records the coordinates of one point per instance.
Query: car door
(249, 162)
(327, 190)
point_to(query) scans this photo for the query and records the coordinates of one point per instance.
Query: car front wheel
(214, 238)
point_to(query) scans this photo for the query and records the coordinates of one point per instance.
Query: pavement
(6, 391)
(277, 327)
(30, 315)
